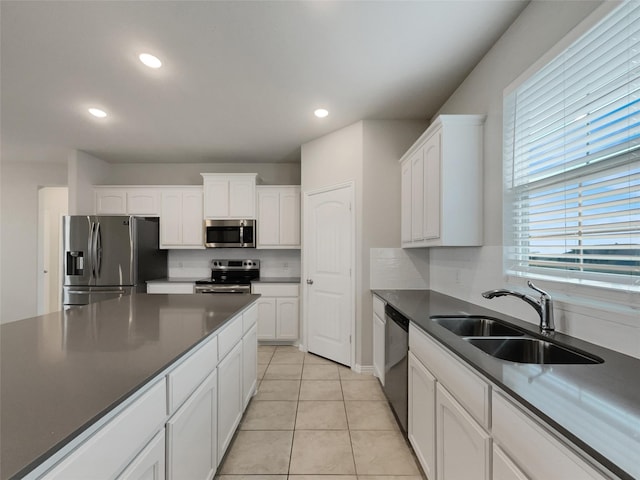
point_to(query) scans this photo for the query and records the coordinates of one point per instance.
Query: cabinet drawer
(378, 307)
(229, 336)
(186, 377)
(277, 290)
(249, 318)
(112, 447)
(469, 389)
(538, 453)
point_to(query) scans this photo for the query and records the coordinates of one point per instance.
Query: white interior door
(52, 205)
(329, 264)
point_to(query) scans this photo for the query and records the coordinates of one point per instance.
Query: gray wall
(19, 235)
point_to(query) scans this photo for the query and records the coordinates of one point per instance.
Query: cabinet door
(405, 215)
(378, 347)
(249, 364)
(242, 199)
(216, 198)
(463, 447)
(504, 468)
(192, 220)
(417, 196)
(290, 217)
(268, 217)
(143, 201)
(422, 415)
(150, 463)
(171, 219)
(229, 397)
(288, 318)
(110, 201)
(432, 184)
(266, 318)
(191, 435)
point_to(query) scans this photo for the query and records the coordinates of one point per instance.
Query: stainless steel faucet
(544, 306)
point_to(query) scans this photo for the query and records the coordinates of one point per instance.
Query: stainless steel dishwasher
(395, 363)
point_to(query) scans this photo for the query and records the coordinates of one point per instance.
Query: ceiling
(240, 79)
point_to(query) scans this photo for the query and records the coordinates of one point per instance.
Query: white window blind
(572, 161)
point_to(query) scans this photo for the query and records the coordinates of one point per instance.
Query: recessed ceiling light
(150, 60)
(321, 113)
(96, 112)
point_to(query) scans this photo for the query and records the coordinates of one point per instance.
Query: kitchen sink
(476, 326)
(531, 350)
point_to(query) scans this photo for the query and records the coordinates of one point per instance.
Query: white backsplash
(196, 263)
(398, 268)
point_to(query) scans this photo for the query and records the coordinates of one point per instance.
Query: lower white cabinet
(504, 468)
(191, 435)
(249, 364)
(150, 463)
(463, 447)
(230, 401)
(278, 311)
(422, 415)
(378, 338)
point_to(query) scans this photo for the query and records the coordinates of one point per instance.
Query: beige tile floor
(311, 418)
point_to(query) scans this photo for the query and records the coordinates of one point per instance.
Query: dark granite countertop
(597, 407)
(62, 372)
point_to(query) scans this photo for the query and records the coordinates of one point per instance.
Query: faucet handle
(539, 290)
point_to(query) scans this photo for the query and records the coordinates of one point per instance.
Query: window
(572, 161)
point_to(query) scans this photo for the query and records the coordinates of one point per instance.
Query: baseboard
(363, 369)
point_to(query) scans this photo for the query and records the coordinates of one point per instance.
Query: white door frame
(305, 262)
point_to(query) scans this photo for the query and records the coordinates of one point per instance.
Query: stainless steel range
(229, 276)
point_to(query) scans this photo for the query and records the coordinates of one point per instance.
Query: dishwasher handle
(397, 317)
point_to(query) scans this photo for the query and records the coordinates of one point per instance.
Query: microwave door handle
(241, 234)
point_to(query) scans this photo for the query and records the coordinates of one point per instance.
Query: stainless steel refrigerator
(109, 256)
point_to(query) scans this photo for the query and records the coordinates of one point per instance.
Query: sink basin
(531, 350)
(476, 326)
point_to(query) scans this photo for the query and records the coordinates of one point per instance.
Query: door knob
(309, 281)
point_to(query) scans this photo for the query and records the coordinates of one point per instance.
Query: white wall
(84, 171)
(367, 154)
(466, 272)
(189, 173)
(19, 245)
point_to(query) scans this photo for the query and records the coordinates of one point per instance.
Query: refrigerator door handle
(98, 250)
(92, 249)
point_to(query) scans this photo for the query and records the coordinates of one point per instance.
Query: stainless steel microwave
(230, 233)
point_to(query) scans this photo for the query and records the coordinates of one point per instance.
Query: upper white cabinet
(127, 200)
(181, 220)
(278, 216)
(442, 184)
(229, 195)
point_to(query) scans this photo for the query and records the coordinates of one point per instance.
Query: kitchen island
(65, 372)
(593, 408)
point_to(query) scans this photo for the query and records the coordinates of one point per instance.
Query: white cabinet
(504, 468)
(378, 338)
(229, 195)
(170, 287)
(150, 463)
(278, 311)
(532, 448)
(191, 435)
(249, 364)
(127, 200)
(230, 401)
(442, 184)
(122, 438)
(422, 415)
(181, 222)
(278, 216)
(463, 447)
